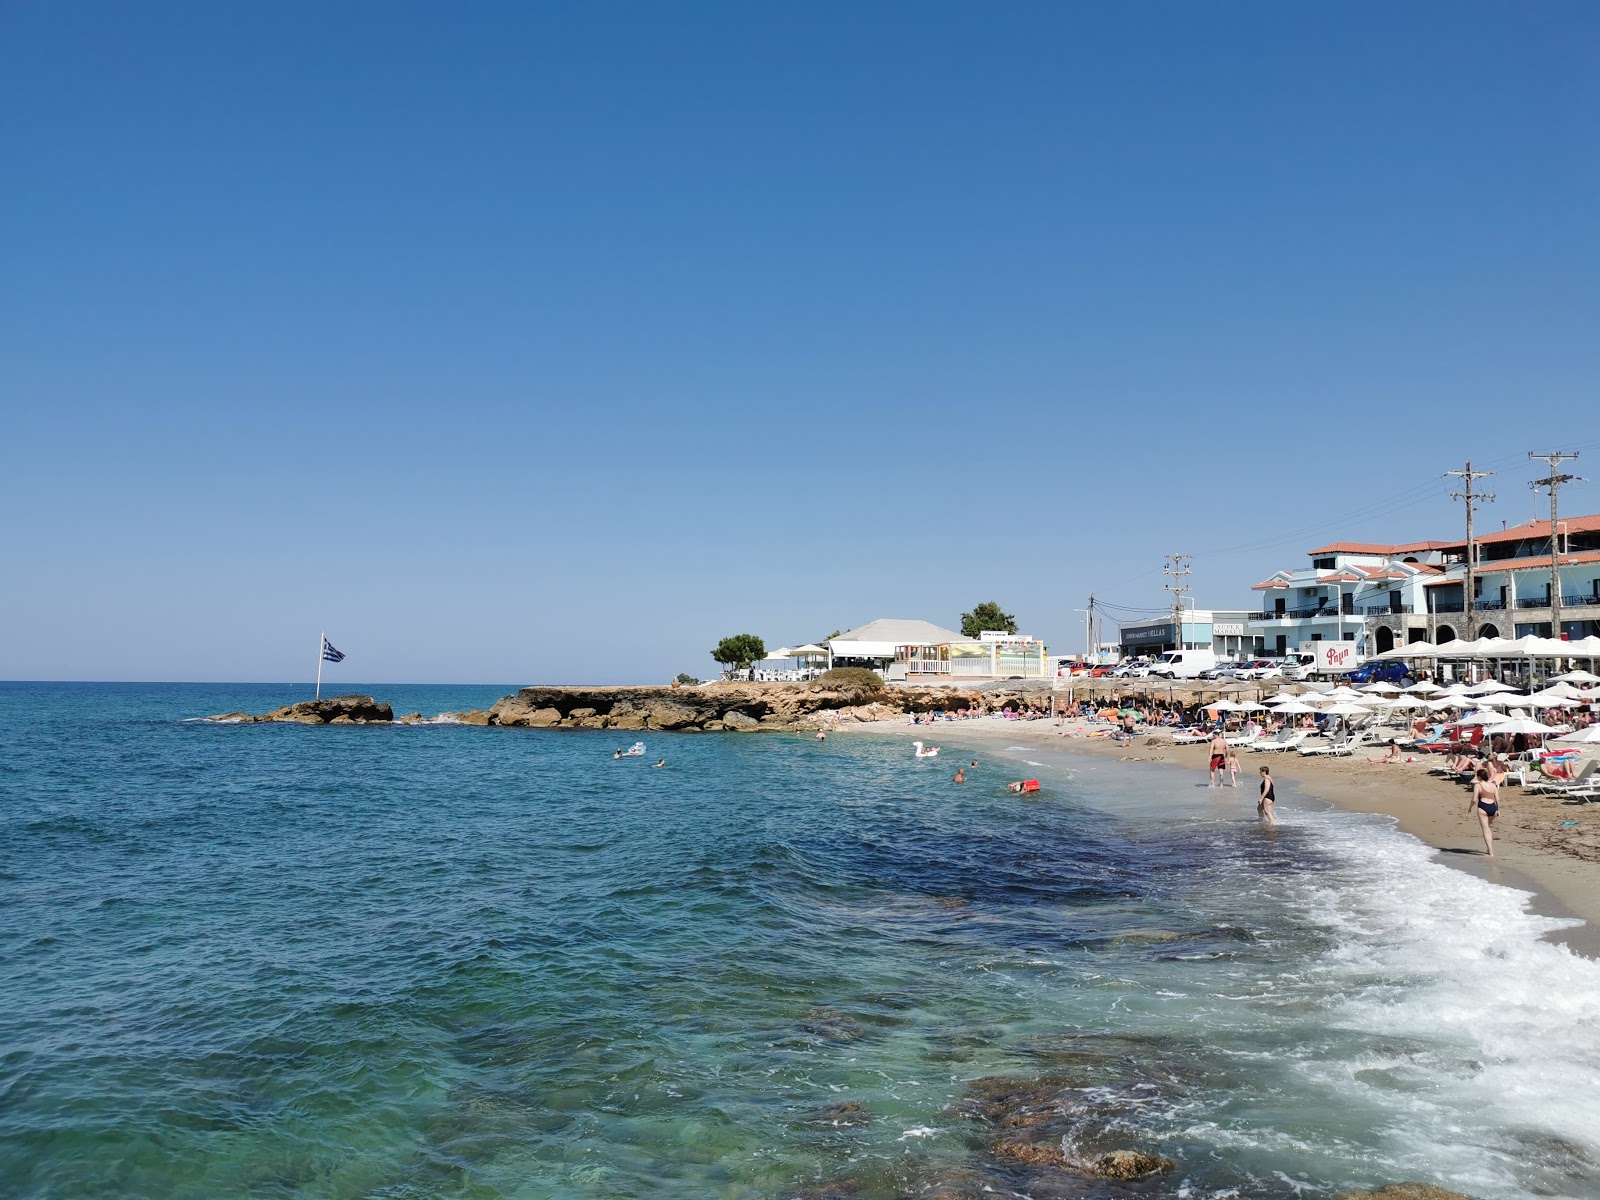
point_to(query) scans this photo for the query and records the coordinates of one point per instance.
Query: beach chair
(1189, 737)
(1336, 746)
(1282, 745)
(1583, 779)
(1244, 739)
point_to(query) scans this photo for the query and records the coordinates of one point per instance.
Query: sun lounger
(1289, 739)
(1339, 746)
(1582, 780)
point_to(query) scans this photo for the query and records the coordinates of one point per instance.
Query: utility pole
(1088, 632)
(1177, 568)
(1553, 481)
(1467, 494)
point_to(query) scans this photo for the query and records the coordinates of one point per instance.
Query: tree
(987, 616)
(686, 679)
(739, 651)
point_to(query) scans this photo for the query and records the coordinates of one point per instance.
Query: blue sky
(552, 343)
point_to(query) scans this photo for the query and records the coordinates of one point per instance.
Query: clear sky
(514, 342)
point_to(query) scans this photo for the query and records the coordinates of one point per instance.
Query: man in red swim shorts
(1219, 756)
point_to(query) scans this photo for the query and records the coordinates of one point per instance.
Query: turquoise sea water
(447, 961)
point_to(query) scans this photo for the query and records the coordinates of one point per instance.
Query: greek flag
(329, 654)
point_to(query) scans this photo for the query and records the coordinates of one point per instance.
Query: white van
(1183, 664)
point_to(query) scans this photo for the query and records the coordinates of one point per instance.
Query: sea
(454, 961)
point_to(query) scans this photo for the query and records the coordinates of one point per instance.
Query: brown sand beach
(1541, 845)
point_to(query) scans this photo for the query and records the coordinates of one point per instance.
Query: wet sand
(1541, 845)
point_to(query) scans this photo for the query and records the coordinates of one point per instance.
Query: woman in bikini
(1486, 800)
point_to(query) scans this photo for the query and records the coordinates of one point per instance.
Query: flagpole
(322, 639)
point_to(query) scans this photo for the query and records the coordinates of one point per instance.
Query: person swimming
(662, 763)
(960, 775)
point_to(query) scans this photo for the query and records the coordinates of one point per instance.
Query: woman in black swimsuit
(1486, 801)
(1269, 795)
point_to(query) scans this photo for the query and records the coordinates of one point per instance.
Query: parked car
(1133, 668)
(1220, 671)
(1381, 671)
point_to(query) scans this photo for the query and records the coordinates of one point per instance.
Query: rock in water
(346, 710)
(1131, 1164)
(1405, 1191)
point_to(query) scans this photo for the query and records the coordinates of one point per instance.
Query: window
(1322, 564)
(1349, 637)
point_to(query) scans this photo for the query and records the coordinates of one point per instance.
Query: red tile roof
(1381, 548)
(1536, 530)
(1271, 583)
(1540, 563)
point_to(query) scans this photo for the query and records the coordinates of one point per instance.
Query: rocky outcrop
(716, 707)
(712, 708)
(336, 710)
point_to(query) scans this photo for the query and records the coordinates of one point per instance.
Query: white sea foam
(1442, 1003)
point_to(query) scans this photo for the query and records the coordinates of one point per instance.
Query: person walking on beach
(1486, 801)
(1233, 767)
(1219, 756)
(1269, 797)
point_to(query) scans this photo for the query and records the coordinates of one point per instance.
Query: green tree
(986, 616)
(686, 679)
(739, 651)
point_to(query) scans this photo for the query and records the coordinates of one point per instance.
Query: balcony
(1449, 606)
(1302, 614)
(1384, 610)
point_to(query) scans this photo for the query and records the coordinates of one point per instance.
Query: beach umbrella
(1222, 706)
(1490, 685)
(1423, 688)
(1560, 691)
(1583, 737)
(1498, 701)
(1546, 700)
(1248, 707)
(1380, 686)
(1408, 702)
(1293, 708)
(1440, 703)
(1484, 717)
(1577, 677)
(1343, 708)
(1525, 725)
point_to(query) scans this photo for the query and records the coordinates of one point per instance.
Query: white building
(1379, 596)
(921, 652)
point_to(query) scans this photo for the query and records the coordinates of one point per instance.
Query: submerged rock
(1405, 1191)
(832, 1025)
(847, 1114)
(1033, 1154)
(1010, 1102)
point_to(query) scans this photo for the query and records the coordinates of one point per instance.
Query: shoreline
(1559, 864)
